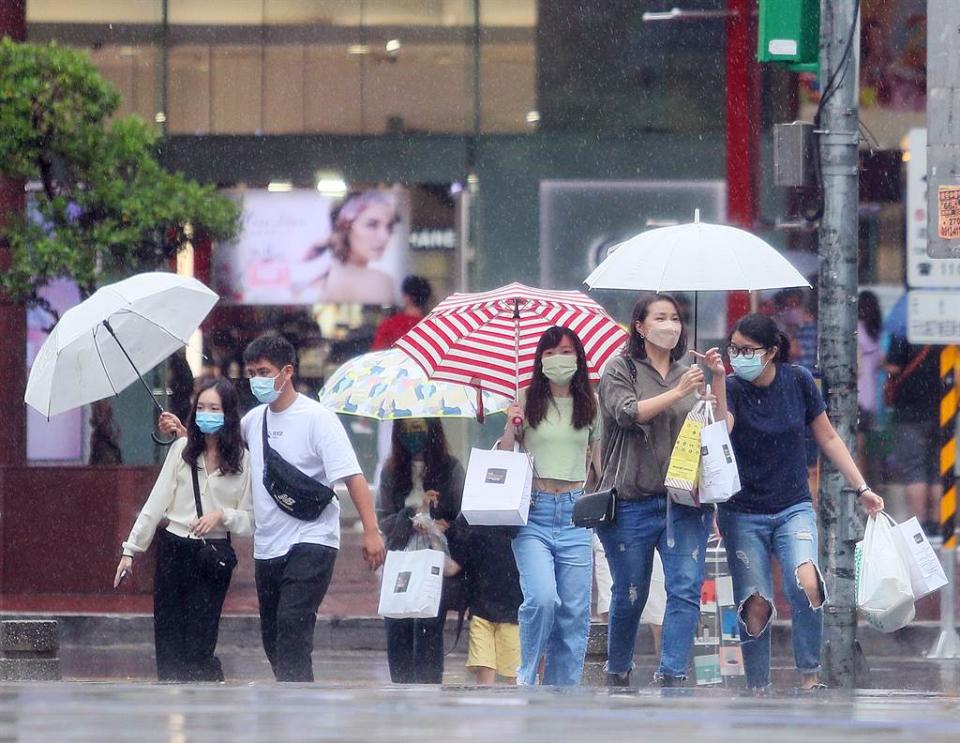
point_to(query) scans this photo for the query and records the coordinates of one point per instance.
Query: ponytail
(765, 332)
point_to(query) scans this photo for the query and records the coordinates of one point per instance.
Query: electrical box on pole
(789, 31)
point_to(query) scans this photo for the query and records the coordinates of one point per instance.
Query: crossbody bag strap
(196, 489)
(911, 367)
(266, 443)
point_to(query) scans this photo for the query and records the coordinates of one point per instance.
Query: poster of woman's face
(301, 247)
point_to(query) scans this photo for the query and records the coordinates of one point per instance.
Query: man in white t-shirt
(294, 559)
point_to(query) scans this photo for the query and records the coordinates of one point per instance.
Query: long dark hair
(229, 441)
(437, 465)
(764, 331)
(868, 312)
(636, 346)
(539, 395)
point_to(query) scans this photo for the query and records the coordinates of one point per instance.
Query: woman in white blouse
(188, 595)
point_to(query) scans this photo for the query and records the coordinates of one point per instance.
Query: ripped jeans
(640, 526)
(750, 539)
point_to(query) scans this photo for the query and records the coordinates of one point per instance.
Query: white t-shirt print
(310, 437)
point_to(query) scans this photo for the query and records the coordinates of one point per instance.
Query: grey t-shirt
(641, 449)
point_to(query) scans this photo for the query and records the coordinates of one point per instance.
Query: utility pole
(838, 139)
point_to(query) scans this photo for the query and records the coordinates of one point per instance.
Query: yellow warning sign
(948, 212)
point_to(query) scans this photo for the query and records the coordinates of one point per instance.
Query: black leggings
(186, 612)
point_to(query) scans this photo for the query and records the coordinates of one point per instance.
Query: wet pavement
(266, 711)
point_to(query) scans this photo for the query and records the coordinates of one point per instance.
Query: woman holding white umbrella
(204, 493)
(645, 396)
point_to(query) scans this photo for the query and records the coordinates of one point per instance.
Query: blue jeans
(555, 560)
(641, 526)
(750, 539)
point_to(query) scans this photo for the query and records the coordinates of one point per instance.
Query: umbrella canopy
(389, 385)
(97, 348)
(695, 257)
(488, 339)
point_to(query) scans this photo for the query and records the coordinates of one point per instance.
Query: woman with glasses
(645, 396)
(771, 403)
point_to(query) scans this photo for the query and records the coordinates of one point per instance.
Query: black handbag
(216, 559)
(295, 493)
(595, 509)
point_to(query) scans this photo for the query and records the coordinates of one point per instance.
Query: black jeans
(290, 589)
(415, 649)
(186, 612)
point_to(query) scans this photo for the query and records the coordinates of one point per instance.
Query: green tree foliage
(106, 203)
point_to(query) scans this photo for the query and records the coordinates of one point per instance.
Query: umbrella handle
(161, 442)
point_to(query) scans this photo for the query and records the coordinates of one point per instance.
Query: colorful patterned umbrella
(389, 385)
(488, 339)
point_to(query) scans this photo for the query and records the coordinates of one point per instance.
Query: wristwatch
(864, 489)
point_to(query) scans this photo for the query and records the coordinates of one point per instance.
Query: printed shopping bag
(926, 572)
(684, 467)
(719, 476)
(412, 584)
(496, 491)
(884, 595)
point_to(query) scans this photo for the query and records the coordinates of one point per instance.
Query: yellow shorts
(494, 645)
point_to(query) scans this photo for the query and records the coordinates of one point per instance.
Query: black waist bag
(295, 493)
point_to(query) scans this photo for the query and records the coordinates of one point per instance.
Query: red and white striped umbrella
(489, 339)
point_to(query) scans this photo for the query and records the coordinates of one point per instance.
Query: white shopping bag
(412, 584)
(719, 476)
(884, 595)
(926, 572)
(496, 491)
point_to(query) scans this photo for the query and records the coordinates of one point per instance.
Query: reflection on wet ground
(266, 711)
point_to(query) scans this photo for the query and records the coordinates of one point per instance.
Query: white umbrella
(101, 346)
(695, 257)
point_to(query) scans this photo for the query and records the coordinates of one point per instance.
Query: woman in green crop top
(558, 427)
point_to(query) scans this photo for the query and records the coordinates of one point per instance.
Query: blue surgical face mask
(748, 369)
(264, 389)
(209, 422)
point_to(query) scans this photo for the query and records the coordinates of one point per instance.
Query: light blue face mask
(209, 422)
(748, 369)
(264, 390)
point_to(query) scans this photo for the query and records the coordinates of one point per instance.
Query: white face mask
(665, 335)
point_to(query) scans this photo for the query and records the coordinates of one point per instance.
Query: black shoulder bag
(295, 493)
(216, 558)
(596, 509)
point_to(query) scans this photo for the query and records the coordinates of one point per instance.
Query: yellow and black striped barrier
(949, 359)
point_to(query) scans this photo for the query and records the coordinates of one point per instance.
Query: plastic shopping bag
(683, 470)
(926, 572)
(719, 476)
(884, 595)
(412, 584)
(496, 491)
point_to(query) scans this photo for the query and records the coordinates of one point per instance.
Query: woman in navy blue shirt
(771, 403)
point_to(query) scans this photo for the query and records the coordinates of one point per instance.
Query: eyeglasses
(746, 352)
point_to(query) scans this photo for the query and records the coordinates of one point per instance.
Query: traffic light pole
(838, 139)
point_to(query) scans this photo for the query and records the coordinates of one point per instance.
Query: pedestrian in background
(645, 396)
(869, 364)
(772, 403)
(187, 600)
(912, 393)
(558, 426)
(417, 505)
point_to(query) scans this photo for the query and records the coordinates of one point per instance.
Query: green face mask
(560, 369)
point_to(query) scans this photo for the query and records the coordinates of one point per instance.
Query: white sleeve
(162, 495)
(239, 520)
(333, 447)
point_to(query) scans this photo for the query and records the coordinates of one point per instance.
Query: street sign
(933, 317)
(922, 270)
